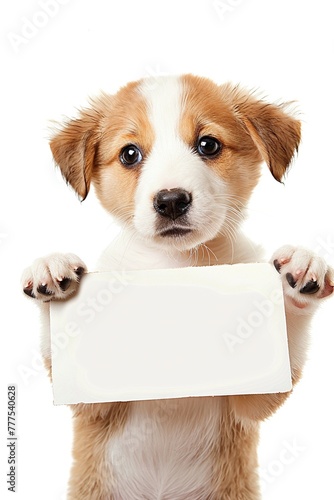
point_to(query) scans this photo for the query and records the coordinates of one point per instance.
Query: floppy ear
(74, 149)
(275, 133)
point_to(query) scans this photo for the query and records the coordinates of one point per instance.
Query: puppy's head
(176, 158)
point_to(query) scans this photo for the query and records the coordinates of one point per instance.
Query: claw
(290, 279)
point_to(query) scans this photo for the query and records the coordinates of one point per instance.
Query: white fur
(158, 457)
(173, 164)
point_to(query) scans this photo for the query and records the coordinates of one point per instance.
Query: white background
(281, 47)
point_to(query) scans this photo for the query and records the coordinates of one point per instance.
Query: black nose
(172, 202)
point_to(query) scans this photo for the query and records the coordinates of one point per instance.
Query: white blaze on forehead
(169, 154)
(163, 98)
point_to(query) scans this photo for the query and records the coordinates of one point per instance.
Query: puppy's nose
(172, 202)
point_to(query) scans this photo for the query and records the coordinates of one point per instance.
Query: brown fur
(93, 427)
(236, 462)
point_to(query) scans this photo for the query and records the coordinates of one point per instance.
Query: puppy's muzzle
(172, 203)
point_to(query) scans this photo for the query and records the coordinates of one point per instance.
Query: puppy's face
(176, 158)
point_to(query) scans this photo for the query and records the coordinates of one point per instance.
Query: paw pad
(79, 271)
(43, 289)
(310, 287)
(64, 283)
(28, 290)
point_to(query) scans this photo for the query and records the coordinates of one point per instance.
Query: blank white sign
(172, 333)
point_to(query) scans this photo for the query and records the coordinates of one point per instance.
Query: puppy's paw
(306, 277)
(54, 277)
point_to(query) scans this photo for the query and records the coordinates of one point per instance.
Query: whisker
(209, 251)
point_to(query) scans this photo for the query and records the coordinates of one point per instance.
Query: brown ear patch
(74, 150)
(87, 148)
(275, 133)
(249, 124)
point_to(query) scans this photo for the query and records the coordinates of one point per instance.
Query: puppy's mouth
(174, 231)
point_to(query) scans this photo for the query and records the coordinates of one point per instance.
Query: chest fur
(166, 450)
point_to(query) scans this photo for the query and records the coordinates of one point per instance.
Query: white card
(171, 333)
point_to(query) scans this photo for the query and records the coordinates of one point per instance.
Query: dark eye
(130, 155)
(208, 146)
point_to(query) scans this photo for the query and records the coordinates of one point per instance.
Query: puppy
(175, 160)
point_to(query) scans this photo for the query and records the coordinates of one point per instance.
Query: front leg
(306, 281)
(55, 277)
